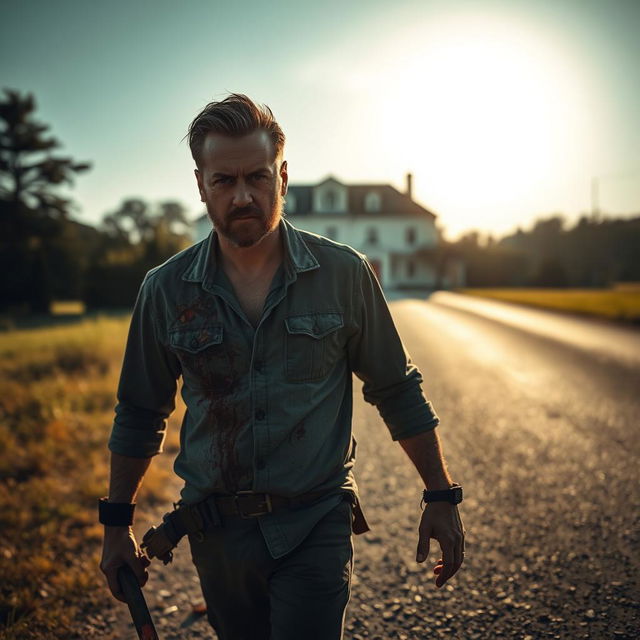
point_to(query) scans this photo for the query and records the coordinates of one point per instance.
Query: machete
(136, 603)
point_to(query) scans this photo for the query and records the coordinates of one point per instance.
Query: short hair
(235, 116)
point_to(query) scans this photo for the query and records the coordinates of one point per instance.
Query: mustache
(242, 212)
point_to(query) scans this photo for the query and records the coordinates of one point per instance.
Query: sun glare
(490, 112)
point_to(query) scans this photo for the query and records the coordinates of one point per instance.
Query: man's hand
(120, 547)
(441, 521)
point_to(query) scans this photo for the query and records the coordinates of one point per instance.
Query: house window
(372, 202)
(332, 232)
(372, 235)
(290, 201)
(329, 200)
(411, 269)
(411, 235)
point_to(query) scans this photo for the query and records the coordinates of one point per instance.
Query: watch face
(456, 494)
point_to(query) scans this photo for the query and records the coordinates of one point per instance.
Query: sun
(488, 110)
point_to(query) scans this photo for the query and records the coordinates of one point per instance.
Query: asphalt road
(540, 425)
(540, 416)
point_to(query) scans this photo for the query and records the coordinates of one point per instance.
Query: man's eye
(260, 176)
(223, 180)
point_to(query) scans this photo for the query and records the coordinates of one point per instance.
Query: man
(266, 323)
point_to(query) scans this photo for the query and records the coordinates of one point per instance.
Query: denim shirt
(268, 408)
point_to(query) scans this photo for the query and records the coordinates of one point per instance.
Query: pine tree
(32, 210)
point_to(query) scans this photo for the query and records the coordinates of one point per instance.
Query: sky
(503, 111)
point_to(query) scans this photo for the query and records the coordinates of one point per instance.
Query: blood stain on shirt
(298, 432)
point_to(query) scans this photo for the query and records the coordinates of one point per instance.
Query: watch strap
(115, 514)
(452, 495)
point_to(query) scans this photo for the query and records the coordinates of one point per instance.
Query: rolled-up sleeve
(377, 356)
(148, 383)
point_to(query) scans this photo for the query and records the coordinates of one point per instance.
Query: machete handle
(136, 603)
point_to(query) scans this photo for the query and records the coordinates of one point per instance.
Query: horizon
(484, 237)
(504, 112)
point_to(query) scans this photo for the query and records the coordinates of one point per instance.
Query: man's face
(243, 184)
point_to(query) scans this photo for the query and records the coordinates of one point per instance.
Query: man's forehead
(222, 153)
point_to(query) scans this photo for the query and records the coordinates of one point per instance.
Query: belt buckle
(265, 504)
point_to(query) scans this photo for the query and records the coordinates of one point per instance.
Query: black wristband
(452, 495)
(115, 514)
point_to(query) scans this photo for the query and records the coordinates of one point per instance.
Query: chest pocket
(205, 361)
(312, 345)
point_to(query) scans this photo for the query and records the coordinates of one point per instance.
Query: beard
(247, 226)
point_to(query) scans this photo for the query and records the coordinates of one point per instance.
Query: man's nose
(242, 194)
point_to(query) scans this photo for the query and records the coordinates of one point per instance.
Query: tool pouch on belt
(160, 541)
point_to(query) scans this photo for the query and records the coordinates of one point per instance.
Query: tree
(136, 237)
(173, 214)
(29, 173)
(130, 222)
(32, 210)
(135, 222)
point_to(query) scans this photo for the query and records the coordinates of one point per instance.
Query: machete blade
(136, 603)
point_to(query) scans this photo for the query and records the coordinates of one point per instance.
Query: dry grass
(613, 304)
(67, 307)
(56, 407)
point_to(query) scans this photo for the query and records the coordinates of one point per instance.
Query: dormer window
(329, 200)
(330, 197)
(372, 202)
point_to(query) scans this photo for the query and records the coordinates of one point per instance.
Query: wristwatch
(452, 495)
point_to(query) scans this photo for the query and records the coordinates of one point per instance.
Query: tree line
(45, 255)
(593, 252)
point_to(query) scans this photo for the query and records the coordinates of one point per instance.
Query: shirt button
(260, 464)
(260, 414)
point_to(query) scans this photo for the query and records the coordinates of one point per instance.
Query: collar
(297, 254)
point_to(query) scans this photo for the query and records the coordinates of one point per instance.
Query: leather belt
(247, 504)
(194, 519)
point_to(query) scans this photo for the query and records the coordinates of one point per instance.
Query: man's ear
(200, 184)
(285, 178)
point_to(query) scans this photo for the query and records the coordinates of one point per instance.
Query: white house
(399, 237)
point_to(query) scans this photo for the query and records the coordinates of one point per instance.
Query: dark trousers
(251, 596)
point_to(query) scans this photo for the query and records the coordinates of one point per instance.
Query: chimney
(409, 189)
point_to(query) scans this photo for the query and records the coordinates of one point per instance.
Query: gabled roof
(393, 202)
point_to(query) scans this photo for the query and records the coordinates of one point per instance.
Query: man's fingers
(114, 584)
(458, 550)
(138, 565)
(445, 526)
(423, 548)
(120, 548)
(452, 559)
(139, 569)
(458, 556)
(448, 562)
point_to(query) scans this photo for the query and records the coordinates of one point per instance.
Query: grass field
(56, 407)
(613, 304)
